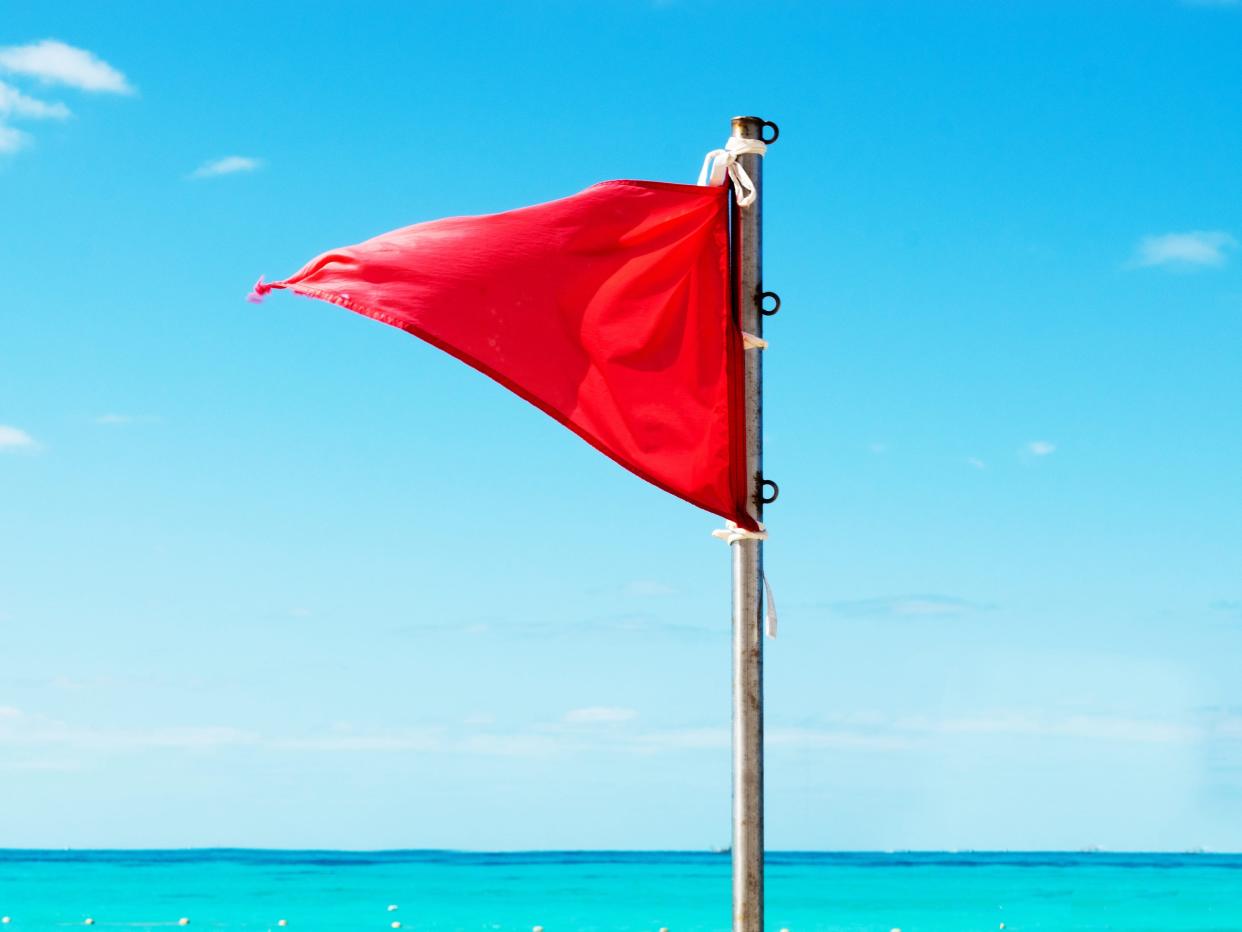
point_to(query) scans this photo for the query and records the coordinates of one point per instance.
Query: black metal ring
(776, 132)
(768, 312)
(776, 491)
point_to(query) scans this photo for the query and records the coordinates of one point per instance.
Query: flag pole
(747, 267)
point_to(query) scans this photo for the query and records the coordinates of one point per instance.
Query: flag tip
(259, 292)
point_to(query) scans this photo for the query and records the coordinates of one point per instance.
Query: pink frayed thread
(259, 292)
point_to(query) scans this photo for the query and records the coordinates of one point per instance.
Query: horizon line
(638, 851)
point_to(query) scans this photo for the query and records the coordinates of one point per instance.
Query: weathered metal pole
(747, 266)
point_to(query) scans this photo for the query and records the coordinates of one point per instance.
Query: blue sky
(281, 576)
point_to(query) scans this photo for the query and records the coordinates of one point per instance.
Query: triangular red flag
(609, 310)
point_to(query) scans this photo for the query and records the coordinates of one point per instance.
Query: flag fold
(609, 310)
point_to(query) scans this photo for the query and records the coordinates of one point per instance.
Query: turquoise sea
(325, 891)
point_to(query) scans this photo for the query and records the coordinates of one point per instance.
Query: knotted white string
(721, 162)
(730, 534)
(750, 341)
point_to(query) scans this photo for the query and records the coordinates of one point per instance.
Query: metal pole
(747, 266)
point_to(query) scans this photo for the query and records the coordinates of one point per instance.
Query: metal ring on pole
(776, 132)
(776, 491)
(764, 295)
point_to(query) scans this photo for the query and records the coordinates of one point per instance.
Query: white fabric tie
(720, 163)
(769, 619)
(750, 341)
(731, 534)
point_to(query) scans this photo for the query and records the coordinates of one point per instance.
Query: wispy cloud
(17, 728)
(860, 732)
(54, 62)
(12, 139)
(13, 103)
(908, 606)
(114, 420)
(1194, 248)
(229, 165)
(599, 715)
(629, 624)
(409, 740)
(35, 765)
(648, 588)
(14, 438)
(49, 62)
(1041, 448)
(976, 462)
(1088, 727)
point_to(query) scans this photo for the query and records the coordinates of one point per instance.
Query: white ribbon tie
(720, 163)
(731, 534)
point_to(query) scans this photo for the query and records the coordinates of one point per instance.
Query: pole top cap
(753, 127)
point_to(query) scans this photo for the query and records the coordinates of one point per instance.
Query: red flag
(609, 310)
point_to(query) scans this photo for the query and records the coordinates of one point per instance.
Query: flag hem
(743, 519)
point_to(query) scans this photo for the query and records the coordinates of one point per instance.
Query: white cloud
(1197, 247)
(908, 606)
(13, 103)
(229, 165)
(398, 741)
(39, 766)
(18, 729)
(1090, 727)
(599, 715)
(683, 739)
(16, 105)
(50, 62)
(1041, 448)
(648, 588)
(514, 745)
(14, 438)
(804, 738)
(858, 732)
(113, 419)
(54, 62)
(976, 462)
(12, 139)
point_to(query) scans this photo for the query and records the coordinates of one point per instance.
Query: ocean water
(327, 891)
